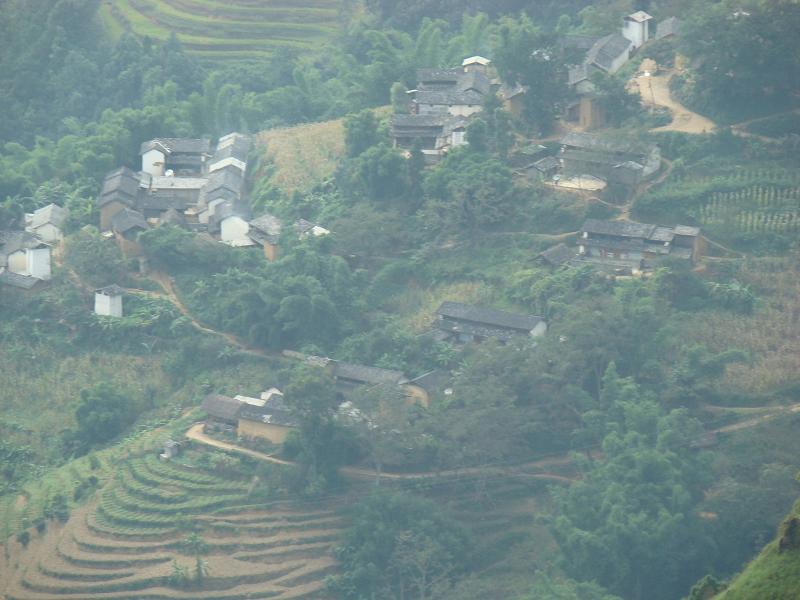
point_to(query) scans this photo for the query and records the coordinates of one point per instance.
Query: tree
(468, 192)
(400, 547)
(102, 414)
(400, 102)
(312, 398)
(630, 523)
(360, 132)
(97, 260)
(614, 98)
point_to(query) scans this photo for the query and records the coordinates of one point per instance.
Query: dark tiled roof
(607, 50)
(234, 145)
(52, 213)
(400, 121)
(221, 407)
(266, 228)
(128, 219)
(449, 97)
(121, 185)
(487, 316)
(547, 163)
(178, 145)
(475, 81)
(580, 42)
(229, 177)
(366, 374)
(669, 26)
(618, 228)
(111, 290)
(438, 75)
(19, 281)
(274, 412)
(687, 230)
(558, 255)
(588, 141)
(173, 217)
(12, 241)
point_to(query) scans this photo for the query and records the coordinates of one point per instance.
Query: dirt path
(654, 90)
(170, 294)
(755, 421)
(195, 433)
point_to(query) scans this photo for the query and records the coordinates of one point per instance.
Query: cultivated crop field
(218, 30)
(732, 204)
(156, 524)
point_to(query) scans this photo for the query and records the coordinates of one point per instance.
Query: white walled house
(24, 254)
(108, 301)
(153, 161)
(636, 28)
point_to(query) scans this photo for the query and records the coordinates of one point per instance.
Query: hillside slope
(775, 573)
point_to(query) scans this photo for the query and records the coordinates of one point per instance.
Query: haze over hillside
(394, 300)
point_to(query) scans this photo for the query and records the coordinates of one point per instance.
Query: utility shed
(470, 323)
(108, 301)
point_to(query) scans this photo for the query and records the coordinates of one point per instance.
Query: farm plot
(167, 530)
(219, 31)
(738, 206)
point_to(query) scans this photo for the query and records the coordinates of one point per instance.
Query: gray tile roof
(12, 241)
(19, 281)
(366, 374)
(234, 145)
(607, 50)
(274, 412)
(593, 142)
(178, 145)
(52, 213)
(669, 26)
(558, 255)
(221, 407)
(491, 317)
(547, 163)
(266, 228)
(438, 75)
(120, 185)
(618, 228)
(111, 290)
(449, 97)
(128, 219)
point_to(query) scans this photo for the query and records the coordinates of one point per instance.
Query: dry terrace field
(218, 30)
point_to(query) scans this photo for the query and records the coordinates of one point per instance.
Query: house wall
(464, 110)
(270, 251)
(637, 33)
(18, 263)
(153, 162)
(48, 233)
(265, 431)
(130, 248)
(590, 114)
(109, 306)
(233, 230)
(618, 62)
(107, 212)
(38, 263)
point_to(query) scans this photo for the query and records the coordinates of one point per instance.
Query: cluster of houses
(269, 418)
(445, 101)
(626, 247)
(606, 54)
(187, 183)
(26, 254)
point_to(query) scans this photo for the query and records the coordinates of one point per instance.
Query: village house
(25, 259)
(668, 27)
(266, 417)
(635, 246)
(445, 101)
(108, 301)
(618, 161)
(265, 231)
(182, 182)
(126, 225)
(469, 323)
(607, 54)
(47, 223)
(557, 255)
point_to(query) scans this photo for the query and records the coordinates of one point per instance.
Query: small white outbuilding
(108, 301)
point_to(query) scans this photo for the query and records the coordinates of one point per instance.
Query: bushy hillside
(217, 30)
(775, 573)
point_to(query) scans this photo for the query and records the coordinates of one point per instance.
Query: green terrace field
(218, 30)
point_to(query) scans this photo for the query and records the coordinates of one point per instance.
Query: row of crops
(168, 530)
(218, 30)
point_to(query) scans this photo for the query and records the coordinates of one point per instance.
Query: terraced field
(131, 543)
(219, 30)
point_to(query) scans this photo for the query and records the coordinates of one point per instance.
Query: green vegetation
(645, 447)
